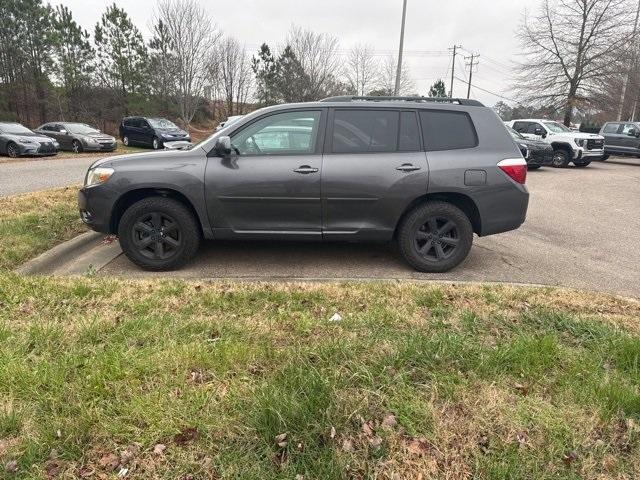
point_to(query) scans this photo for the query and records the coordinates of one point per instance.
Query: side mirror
(223, 147)
(633, 132)
(538, 131)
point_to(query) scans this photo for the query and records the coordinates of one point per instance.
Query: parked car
(151, 132)
(16, 140)
(229, 121)
(427, 173)
(621, 138)
(78, 137)
(536, 152)
(568, 146)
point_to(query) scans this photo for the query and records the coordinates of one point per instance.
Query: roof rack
(349, 98)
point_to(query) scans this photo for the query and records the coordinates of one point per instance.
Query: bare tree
(193, 35)
(388, 71)
(317, 53)
(569, 45)
(234, 75)
(362, 70)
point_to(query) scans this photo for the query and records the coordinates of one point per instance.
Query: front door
(373, 167)
(630, 140)
(270, 185)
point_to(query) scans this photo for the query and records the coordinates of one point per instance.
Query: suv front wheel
(159, 234)
(435, 237)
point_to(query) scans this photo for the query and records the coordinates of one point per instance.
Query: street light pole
(399, 71)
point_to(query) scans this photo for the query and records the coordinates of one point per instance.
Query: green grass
(32, 223)
(484, 382)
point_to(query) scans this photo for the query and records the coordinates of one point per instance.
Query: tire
(13, 150)
(582, 164)
(604, 158)
(156, 143)
(125, 140)
(159, 234)
(533, 167)
(76, 146)
(560, 158)
(433, 227)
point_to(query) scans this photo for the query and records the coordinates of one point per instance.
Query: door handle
(306, 170)
(407, 167)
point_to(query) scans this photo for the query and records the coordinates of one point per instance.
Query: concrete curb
(74, 257)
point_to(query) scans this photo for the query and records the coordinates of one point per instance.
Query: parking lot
(582, 231)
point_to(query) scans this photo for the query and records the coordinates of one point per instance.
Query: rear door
(612, 136)
(373, 166)
(270, 186)
(629, 139)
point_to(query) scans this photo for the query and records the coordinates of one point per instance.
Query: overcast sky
(486, 27)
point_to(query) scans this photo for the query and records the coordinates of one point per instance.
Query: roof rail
(350, 98)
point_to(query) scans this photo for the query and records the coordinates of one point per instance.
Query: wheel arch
(460, 200)
(562, 146)
(133, 196)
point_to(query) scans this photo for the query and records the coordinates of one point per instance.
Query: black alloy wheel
(157, 236)
(435, 237)
(560, 158)
(13, 151)
(159, 233)
(76, 146)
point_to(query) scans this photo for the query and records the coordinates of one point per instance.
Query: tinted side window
(521, 127)
(628, 127)
(365, 131)
(533, 127)
(409, 140)
(128, 122)
(611, 128)
(443, 130)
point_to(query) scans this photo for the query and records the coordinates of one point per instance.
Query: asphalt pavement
(582, 231)
(31, 175)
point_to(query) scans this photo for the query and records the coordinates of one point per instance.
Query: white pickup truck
(568, 146)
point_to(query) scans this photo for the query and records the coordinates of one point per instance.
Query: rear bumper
(504, 210)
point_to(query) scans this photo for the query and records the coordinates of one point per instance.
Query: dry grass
(480, 382)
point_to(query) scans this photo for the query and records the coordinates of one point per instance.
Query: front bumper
(175, 138)
(96, 204)
(103, 147)
(585, 153)
(37, 149)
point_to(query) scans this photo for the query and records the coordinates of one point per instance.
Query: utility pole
(632, 65)
(401, 50)
(473, 61)
(453, 67)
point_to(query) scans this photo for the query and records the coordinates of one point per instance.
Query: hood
(97, 135)
(171, 130)
(38, 137)
(169, 155)
(532, 143)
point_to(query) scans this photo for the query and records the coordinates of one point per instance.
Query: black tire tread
(188, 224)
(416, 217)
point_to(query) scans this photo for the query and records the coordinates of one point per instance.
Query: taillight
(515, 168)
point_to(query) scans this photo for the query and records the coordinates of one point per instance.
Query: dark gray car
(621, 138)
(16, 140)
(427, 172)
(78, 137)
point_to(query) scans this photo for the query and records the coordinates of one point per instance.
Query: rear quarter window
(447, 130)
(611, 128)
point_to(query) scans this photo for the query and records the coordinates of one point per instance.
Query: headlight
(26, 140)
(56, 144)
(90, 140)
(580, 142)
(98, 175)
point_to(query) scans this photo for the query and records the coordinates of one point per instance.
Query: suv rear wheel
(159, 234)
(435, 237)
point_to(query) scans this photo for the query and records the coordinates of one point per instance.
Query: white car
(568, 146)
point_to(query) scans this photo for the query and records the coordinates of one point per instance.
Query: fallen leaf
(159, 448)
(281, 440)
(375, 442)
(299, 477)
(570, 457)
(389, 421)
(187, 435)
(366, 429)
(129, 454)
(11, 466)
(333, 432)
(109, 461)
(123, 472)
(336, 317)
(347, 445)
(53, 468)
(521, 438)
(523, 389)
(418, 446)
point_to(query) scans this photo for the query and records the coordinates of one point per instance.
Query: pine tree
(438, 89)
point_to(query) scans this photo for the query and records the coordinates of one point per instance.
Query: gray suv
(621, 138)
(427, 172)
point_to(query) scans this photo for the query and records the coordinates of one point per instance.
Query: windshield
(14, 129)
(161, 123)
(515, 134)
(556, 127)
(80, 128)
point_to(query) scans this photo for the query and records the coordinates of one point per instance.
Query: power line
(489, 91)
